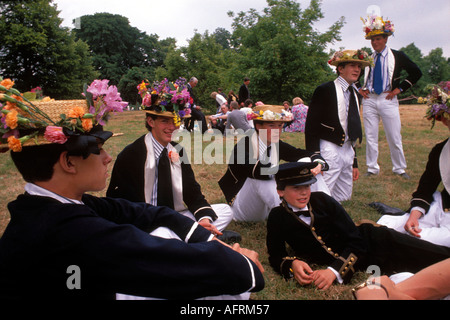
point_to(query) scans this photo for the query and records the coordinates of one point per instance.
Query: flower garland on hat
(375, 25)
(23, 122)
(351, 56)
(270, 113)
(166, 96)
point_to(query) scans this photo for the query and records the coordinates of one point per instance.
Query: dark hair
(248, 102)
(343, 65)
(35, 163)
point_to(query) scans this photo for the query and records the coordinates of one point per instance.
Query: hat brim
(311, 181)
(166, 114)
(377, 33)
(362, 62)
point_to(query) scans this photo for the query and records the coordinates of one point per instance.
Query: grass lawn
(418, 139)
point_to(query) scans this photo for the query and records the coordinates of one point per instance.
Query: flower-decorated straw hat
(270, 113)
(375, 25)
(359, 56)
(166, 99)
(77, 124)
(438, 102)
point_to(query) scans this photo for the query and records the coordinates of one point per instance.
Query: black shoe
(370, 174)
(230, 237)
(385, 209)
(404, 175)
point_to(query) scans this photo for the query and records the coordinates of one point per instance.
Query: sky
(424, 23)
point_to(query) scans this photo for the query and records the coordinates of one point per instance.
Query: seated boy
(319, 231)
(62, 243)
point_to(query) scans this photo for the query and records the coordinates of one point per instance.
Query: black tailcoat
(108, 239)
(429, 182)
(127, 180)
(334, 240)
(322, 120)
(243, 165)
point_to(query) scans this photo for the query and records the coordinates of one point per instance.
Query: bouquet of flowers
(438, 102)
(22, 121)
(166, 96)
(375, 25)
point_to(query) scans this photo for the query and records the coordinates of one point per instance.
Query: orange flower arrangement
(19, 116)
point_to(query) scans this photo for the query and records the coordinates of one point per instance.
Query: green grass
(418, 140)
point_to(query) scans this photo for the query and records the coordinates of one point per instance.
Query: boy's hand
(302, 272)
(323, 279)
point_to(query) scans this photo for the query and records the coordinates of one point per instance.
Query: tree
(117, 47)
(36, 51)
(281, 51)
(437, 67)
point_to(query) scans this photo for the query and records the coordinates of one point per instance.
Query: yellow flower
(176, 119)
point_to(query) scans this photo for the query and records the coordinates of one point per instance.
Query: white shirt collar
(36, 190)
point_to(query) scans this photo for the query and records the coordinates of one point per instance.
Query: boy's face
(93, 171)
(162, 129)
(378, 42)
(350, 71)
(297, 196)
(270, 131)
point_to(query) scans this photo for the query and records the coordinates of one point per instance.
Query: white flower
(378, 23)
(268, 115)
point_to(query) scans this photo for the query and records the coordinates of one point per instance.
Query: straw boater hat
(270, 113)
(166, 99)
(78, 124)
(359, 56)
(375, 25)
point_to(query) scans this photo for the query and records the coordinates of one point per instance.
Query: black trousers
(395, 252)
(199, 116)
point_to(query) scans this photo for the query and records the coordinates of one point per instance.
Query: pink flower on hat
(55, 135)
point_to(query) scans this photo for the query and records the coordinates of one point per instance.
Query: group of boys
(155, 234)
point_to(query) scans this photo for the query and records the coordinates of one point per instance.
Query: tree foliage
(279, 49)
(36, 51)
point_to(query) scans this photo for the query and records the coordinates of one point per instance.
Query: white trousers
(339, 177)
(224, 216)
(257, 197)
(166, 233)
(435, 224)
(376, 107)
